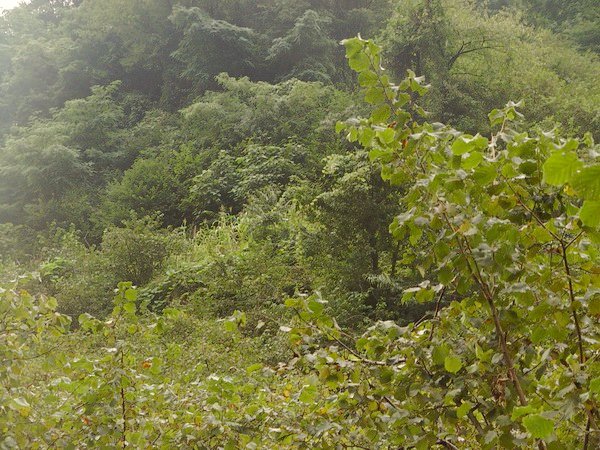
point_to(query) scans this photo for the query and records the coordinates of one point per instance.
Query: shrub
(136, 251)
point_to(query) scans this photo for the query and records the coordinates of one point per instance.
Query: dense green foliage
(303, 258)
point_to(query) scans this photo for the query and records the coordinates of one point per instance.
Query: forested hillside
(330, 224)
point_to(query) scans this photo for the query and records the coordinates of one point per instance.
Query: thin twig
(437, 311)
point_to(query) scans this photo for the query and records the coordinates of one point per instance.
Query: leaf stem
(437, 311)
(123, 405)
(572, 299)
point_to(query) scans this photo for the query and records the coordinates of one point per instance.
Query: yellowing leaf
(21, 405)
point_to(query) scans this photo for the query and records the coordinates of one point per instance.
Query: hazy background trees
(189, 111)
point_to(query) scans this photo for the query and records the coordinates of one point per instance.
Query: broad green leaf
(445, 275)
(386, 375)
(129, 307)
(465, 144)
(560, 167)
(51, 303)
(424, 295)
(359, 62)
(387, 135)
(368, 78)
(452, 363)
(402, 99)
(539, 334)
(292, 302)
(460, 146)
(463, 409)
(230, 326)
(171, 313)
(587, 182)
(569, 145)
(353, 46)
(595, 385)
(366, 137)
(254, 368)
(84, 319)
(316, 306)
(539, 427)
(520, 411)
(374, 95)
(472, 160)
(381, 114)
(485, 174)
(496, 117)
(594, 306)
(590, 213)
(308, 394)
(439, 354)
(484, 356)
